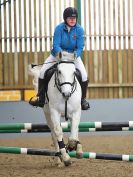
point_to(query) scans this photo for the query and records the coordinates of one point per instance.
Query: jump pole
(29, 126)
(46, 152)
(68, 130)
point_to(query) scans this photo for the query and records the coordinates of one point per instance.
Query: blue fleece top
(70, 41)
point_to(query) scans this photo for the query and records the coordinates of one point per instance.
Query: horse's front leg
(73, 142)
(50, 124)
(57, 129)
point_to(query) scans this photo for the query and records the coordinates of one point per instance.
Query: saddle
(49, 73)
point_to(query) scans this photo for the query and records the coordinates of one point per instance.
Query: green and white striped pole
(68, 130)
(46, 152)
(65, 125)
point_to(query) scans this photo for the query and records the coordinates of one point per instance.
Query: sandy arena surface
(39, 166)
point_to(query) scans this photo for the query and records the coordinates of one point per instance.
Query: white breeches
(50, 62)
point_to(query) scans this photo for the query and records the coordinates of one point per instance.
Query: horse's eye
(59, 72)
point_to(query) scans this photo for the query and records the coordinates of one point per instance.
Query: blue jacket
(72, 41)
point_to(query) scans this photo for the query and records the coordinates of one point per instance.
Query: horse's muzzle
(66, 95)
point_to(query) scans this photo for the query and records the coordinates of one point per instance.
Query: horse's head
(65, 78)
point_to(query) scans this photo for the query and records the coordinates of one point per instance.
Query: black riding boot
(39, 102)
(84, 104)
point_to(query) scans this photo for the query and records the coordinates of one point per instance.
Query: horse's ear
(60, 55)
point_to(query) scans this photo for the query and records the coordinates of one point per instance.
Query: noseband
(59, 84)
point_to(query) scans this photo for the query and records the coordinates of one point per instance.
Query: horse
(64, 99)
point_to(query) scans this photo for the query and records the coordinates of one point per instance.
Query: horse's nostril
(66, 94)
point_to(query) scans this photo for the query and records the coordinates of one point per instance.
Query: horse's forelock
(66, 68)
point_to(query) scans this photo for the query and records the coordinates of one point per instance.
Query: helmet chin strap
(68, 26)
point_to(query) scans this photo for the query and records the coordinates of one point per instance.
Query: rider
(69, 37)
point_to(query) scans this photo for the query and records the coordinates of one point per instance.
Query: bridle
(58, 84)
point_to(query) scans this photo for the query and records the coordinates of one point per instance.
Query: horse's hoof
(72, 145)
(67, 163)
(66, 159)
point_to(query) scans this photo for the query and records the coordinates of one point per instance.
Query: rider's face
(71, 21)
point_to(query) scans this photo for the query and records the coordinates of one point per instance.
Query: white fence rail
(28, 25)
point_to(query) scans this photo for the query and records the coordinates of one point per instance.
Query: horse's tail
(34, 70)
